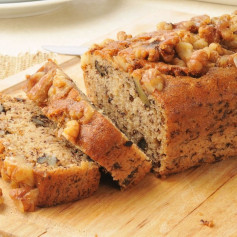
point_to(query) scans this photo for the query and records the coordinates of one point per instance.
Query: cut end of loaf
(42, 169)
(188, 123)
(85, 127)
(125, 102)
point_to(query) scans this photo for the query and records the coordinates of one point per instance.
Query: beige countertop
(80, 21)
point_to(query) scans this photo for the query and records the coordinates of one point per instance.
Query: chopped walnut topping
(178, 62)
(18, 172)
(188, 48)
(59, 86)
(209, 33)
(184, 50)
(88, 113)
(164, 26)
(167, 47)
(25, 199)
(198, 61)
(121, 62)
(71, 130)
(225, 61)
(141, 52)
(123, 36)
(76, 114)
(153, 80)
(59, 79)
(140, 92)
(151, 52)
(85, 59)
(200, 44)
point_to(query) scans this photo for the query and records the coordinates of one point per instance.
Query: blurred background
(77, 22)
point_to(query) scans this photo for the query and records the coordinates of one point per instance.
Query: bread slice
(85, 127)
(171, 91)
(42, 169)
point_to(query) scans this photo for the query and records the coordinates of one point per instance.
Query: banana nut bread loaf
(172, 91)
(43, 170)
(85, 127)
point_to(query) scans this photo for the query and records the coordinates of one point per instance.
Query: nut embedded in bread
(171, 91)
(85, 127)
(42, 169)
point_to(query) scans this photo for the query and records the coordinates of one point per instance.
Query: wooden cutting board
(175, 206)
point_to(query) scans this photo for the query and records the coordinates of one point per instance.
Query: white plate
(225, 2)
(29, 8)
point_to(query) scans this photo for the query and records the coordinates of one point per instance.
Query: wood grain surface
(174, 206)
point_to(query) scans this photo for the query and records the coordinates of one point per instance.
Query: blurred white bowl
(16, 1)
(29, 8)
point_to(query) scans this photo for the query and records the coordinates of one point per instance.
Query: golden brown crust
(201, 109)
(51, 187)
(95, 134)
(100, 140)
(61, 186)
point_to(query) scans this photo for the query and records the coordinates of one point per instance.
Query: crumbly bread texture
(42, 169)
(85, 127)
(172, 91)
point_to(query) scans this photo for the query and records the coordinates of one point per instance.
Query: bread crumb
(207, 223)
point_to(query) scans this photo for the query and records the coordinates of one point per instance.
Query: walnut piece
(24, 198)
(17, 171)
(71, 130)
(198, 61)
(121, 35)
(121, 62)
(153, 80)
(164, 26)
(59, 79)
(184, 50)
(50, 160)
(88, 113)
(139, 90)
(188, 48)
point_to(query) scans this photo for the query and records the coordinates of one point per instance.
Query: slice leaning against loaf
(85, 127)
(172, 91)
(42, 169)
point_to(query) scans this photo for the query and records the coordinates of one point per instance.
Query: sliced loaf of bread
(42, 169)
(85, 127)
(171, 91)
